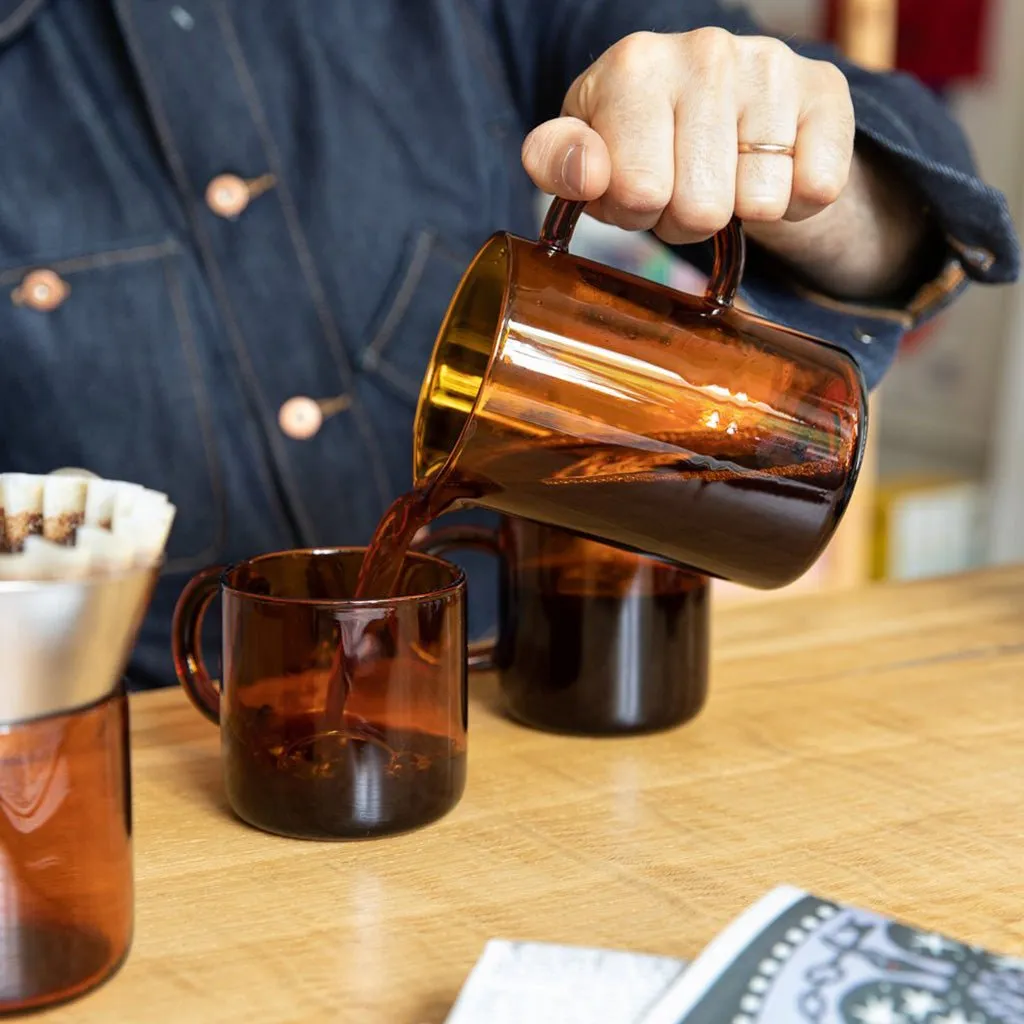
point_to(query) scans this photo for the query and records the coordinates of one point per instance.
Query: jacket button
(42, 290)
(227, 195)
(300, 418)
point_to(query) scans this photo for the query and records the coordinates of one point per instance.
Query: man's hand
(651, 135)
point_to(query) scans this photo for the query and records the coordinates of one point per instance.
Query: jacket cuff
(973, 217)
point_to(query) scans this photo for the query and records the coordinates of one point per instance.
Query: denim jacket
(381, 142)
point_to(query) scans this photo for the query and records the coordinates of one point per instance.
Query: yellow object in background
(927, 525)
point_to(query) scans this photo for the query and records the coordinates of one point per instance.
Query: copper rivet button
(227, 195)
(43, 290)
(300, 418)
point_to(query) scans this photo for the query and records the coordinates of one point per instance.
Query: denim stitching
(919, 158)
(187, 336)
(897, 317)
(400, 304)
(891, 116)
(95, 261)
(397, 379)
(302, 251)
(488, 60)
(216, 281)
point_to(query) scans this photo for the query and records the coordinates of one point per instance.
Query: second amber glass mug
(592, 640)
(579, 396)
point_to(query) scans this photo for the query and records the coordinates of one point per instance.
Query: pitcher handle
(730, 250)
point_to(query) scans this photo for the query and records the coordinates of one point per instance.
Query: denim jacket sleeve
(550, 42)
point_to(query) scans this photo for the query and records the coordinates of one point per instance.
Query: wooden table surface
(868, 747)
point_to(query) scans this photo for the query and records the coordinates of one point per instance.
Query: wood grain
(866, 747)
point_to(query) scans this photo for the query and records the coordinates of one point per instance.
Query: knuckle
(711, 56)
(822, 186)
(713, 49)
(761, 208)
(774, 56)
(633, 54)
(769, 69)
(701, 216)
(642, 192)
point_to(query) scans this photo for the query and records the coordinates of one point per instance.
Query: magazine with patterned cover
(794, 958)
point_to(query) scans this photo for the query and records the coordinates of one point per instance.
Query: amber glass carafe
(578, 396)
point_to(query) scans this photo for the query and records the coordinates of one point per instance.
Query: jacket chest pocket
(101, 371)
(401, 339)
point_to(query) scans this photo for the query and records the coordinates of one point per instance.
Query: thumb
(567, 158)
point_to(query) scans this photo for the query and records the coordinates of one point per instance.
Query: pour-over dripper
(66, 899)
(65, 643)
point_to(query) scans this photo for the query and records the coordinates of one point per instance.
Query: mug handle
(469, 538)
(730, 250)
(186, 641)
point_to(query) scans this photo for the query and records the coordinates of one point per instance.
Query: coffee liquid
(602, 647)
(381, 572)
(286, 775)
(65, 854)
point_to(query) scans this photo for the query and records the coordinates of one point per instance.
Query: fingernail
(574, 169)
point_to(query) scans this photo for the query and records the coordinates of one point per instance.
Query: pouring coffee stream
(569, 393)
(380, 577)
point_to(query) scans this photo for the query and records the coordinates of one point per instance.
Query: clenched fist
(677, 133)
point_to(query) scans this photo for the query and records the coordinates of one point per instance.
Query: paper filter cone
(70, 525)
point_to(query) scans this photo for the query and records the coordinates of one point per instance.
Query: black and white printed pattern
(803, 960)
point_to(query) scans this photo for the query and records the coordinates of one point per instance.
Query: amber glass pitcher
(578, 396)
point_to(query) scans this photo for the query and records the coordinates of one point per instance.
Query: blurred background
(943, 487)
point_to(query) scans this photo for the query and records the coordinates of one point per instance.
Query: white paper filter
(70, 524)
(63, 507)
(22, 501)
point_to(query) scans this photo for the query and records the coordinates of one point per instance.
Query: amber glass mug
(578, 396)
(592, 640)
(392, 757)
